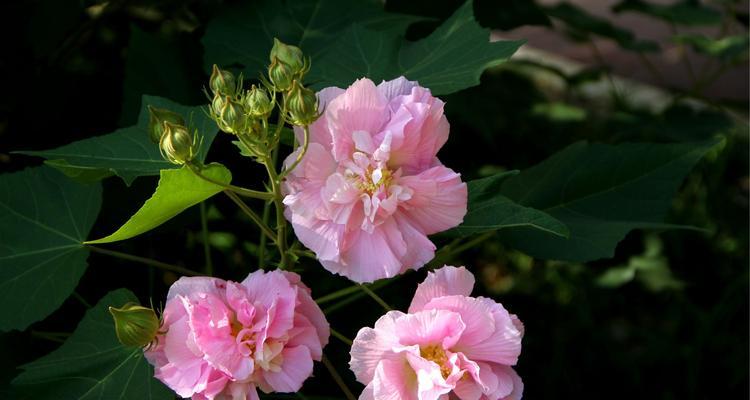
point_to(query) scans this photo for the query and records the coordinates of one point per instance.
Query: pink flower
(370, 187)
(225, 339)
(448, 343)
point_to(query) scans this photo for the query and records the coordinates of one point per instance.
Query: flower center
(436, 354)
(373, 179)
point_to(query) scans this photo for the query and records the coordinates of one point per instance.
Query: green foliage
(44, 218)
(92, 364)
(727, 49)
(243, 33)
(178, 190)
(127, 152)
(600, 192)
(489, 211)
(682, 12)
(582, 25)
(450, 59)
(650, 268)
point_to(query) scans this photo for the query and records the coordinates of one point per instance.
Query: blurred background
(666, 318)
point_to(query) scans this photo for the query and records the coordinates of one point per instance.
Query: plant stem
(375, 297)
(341, 337)
(236, 189)
(351, 289)
(266, 212)
(81, 299)
(301, 154)
(206, 246)
(144, 260)
(250, 213)
(447, 252)
(337, 378)
(280, 221)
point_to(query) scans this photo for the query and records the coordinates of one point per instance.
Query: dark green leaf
(44, 218)
(684, 12)
(488, 211)
(243, 33)
(178, 190)
(582, 24)
(450, 59)
(127, 152)
(728, 48)
(510, 13)
(92, 364)
(600, 192)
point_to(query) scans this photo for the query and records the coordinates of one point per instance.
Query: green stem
(447, 252)
(351, 289)
(301, 154)
(266, 212)
(337, 378)
(250, 213)
(340, 337)
(206, 246)
(375, 297)
(280, 221)
(236, 189)
(144, 260)
(81, 300)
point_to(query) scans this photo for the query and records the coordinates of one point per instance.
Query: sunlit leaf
(178, 190)
(44, 218)
(127, 152)
(727, 48)
(92, 364)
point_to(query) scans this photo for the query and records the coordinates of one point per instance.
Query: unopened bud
(280, 74)
(217, 104)
(257, 103)
(156, 119)
(177, 145)
(232, 118)
(135, 325)
(290, 55)
(302, 105)
(222, 82)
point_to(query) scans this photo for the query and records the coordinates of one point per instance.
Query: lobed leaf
(44, 218)
(92, 363)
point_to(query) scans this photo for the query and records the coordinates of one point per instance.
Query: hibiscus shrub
(319, 176)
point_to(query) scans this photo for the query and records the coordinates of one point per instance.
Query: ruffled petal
(361, 108)
(438, 201)
(297, 367)
(446, 281)
(373, 345)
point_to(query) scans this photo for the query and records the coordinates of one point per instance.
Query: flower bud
(302, 105)
(217, 104)
(232, 118)
(257, 103)
(177, 145)
(135, 325)
(280, 74)
(222, 82)
(290, 55)
(156, 119)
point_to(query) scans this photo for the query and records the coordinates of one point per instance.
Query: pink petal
(316, 165)
(430, 327)
(373, 256)
(476, 313)
(431, 384)
(360, 108)
(504, 373)
(319, 132)
(297, 367)
(446, 281)
(394, 380)
(502, 347)
(187, 286)
(323, 237)
(307, 307)
(420, 249)
(372, 345)
(439, 199)
(396, 87)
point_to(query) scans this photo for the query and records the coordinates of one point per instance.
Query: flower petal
(360, 108)
(430, 327)
(297, 367)
(372, 345)
(445, 281)
(439, 199)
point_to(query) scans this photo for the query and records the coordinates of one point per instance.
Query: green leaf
(728, 48)
(92, 364)
(650, 268)
(600, 192)
(450, 59)
(44, 218)
(243, 33)
(178, 190)
(685, 12)
(487, 211)
(583, 24)
(127, 152)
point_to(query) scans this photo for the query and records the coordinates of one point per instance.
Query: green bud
(156, 119)
(257, 103)
(177, 144)
(135, 325)
(222, 82)
(280, 74)
(217, 104)
(232, 118)
(301, 104)
(290, 55)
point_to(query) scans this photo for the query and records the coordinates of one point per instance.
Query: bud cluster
(167, 129)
